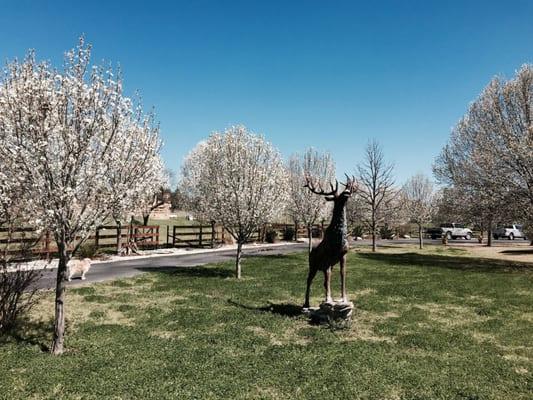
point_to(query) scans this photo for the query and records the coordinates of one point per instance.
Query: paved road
(128, 268)
(453, 242)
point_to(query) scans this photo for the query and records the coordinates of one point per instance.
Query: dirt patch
(513, 252)
(78, 311)
(506, 253)
(162, 334)
(288, 336)
(362, 327)
(451, 315)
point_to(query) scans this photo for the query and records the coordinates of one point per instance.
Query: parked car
(510, 232)
(451, 231)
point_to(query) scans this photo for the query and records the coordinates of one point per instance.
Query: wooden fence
(106, 237)
(25, 241)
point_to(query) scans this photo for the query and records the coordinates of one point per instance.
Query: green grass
(427, 326)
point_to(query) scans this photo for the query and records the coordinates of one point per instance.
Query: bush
(88, 250)
(16, 293)
(386, 233)
(358, 231)
(271, 236)
(288, 233)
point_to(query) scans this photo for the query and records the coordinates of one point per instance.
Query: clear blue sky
(328, 74)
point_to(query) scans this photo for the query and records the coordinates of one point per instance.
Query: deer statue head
(333, 195)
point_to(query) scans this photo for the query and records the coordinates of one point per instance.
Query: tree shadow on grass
(449, 262)
(283, 309)
(193, 271)
(274, 256)
(30, 333)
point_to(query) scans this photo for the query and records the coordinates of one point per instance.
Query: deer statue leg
(343, 278)
(310, 277)
(327, 285)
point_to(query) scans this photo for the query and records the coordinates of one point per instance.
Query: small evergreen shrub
(288, 233)
(271, 236)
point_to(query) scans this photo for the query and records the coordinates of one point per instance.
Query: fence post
(166, 241)
(212, 234)
(119, 235)
(47, 244)
(97, 237)
(173, 235)
(157, 236)
(200, 236)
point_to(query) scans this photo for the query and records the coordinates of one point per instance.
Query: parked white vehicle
(451, 231)
(510, 232)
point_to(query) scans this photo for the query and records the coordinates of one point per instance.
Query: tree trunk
(420, 238)
(119, 237)
(295, 231)
(146, 217)
(212, 234)
(489, 233)
(310, 236)
(238, 260)
(59, 323)
(374, 246)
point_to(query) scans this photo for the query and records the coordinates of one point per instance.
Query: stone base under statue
(328, 312)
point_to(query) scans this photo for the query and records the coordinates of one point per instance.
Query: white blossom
(77, 147)
(304, 206)
(238, 180)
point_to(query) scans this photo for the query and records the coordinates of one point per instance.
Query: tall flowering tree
(239, 180)
(192, 192)
(490, 151)
(79, 149)
(418, 200)
(303, 205)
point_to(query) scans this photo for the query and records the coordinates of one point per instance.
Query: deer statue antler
(311, 186)
(350, 186)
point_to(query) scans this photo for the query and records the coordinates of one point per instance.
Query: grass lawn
(427, 326)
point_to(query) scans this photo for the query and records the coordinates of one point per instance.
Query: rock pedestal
(328, 312)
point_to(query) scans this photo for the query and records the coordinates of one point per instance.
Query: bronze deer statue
(334, 246)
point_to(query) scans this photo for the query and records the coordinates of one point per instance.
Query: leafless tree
(377, 191)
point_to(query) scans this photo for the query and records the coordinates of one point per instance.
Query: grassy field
(427, 326)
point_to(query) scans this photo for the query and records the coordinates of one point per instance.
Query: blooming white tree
(79, 149)
(151, 200)
(239, 180)
(490, 151)
(193, 197)
(303, 205)
(418, 200)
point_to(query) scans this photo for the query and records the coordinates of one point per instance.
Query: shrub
(358, 231)
(17, 293)
(88, 250)
(288, 233)
(386, 233)
(17, 284)
(271, 236)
